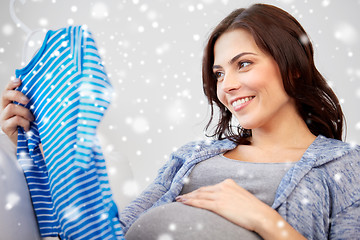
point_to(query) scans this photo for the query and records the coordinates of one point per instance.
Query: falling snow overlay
(152, 51)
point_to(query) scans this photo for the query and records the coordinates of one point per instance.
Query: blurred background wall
(152, 52)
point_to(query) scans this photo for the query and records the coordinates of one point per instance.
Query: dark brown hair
(280, 35)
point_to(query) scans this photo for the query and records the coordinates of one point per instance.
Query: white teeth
(241, 101)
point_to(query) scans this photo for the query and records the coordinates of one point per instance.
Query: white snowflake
(141, 29)
(99, 10)
(196, 37)
(172, 227)
(7, 29)
(74, 8)
(139, 124)
(152, 15)
(304, 39)
(155, 24)
(186, 180)
(207, 1)
(200, 6)
(225, 2)
(104, 216)
(337, 177)
(23, 153)
(143, 8)
(325, 3)
(130, 188)
(70, 21)
(199, 226)
(29, 134)
(176, 111)
(346, 33)
(305, 201)
(43, 22)
(112, 171)
(165, 236)
(72, 213)
(109, 148)
(280, 224)
(241, 172)
(284, 233)
(31, 44)
(162, 49)
(12, 199)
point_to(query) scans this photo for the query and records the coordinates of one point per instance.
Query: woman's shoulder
(204, 147)
(335, 156)
(338, 164)
(328, 150)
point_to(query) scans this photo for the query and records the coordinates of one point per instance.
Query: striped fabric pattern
(69, 92)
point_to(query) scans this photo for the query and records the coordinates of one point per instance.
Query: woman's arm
(239, 206)
(13, 115)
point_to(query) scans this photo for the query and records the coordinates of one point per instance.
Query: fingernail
(180, 199)
(24, 99)
(15, 80)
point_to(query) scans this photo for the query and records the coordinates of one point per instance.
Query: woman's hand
(230, 201)
(239, 206)
(13, 115)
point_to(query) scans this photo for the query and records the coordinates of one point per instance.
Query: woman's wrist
(272, 226)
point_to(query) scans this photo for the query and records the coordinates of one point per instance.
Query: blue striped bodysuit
(69, 92)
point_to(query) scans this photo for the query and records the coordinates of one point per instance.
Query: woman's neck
(290, 132)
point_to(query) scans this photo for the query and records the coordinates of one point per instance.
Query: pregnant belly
(176, 221)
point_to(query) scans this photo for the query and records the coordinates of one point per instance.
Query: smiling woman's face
(249, 81)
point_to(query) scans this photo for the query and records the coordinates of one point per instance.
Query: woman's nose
(231, 83)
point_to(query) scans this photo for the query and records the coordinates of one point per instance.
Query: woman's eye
(219, 75)
(243, 64)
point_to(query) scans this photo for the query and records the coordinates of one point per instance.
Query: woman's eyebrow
(239, 56)
(234, 59)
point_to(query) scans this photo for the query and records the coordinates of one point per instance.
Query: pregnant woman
(282, 173)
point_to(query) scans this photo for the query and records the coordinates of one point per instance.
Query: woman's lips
(242, 102)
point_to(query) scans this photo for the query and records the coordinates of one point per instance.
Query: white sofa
(17, 218)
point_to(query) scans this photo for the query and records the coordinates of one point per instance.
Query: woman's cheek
(220, 94)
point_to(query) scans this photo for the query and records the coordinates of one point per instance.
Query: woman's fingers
(12, 110)
(196, 195)
(14, 83)
(9, 95)
(228, 200)
(10, 125)
(210, 191)
(14, 115)
(204, 197)
(207, 204)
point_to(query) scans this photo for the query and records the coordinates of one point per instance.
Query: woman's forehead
(232, 43)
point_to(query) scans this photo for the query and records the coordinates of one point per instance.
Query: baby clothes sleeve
(69, 92)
